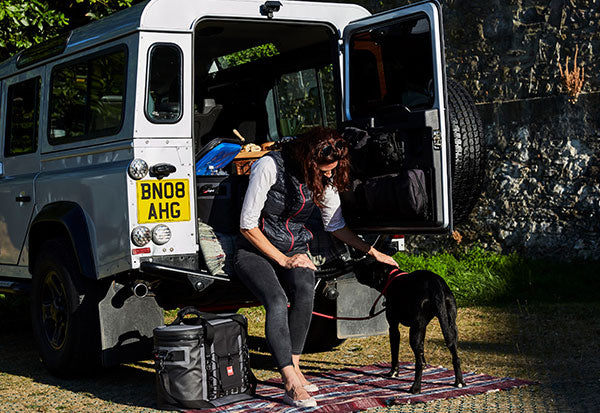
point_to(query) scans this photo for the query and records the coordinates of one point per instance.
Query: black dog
(414, 299)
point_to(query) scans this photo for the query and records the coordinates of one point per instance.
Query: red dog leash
(395, 273)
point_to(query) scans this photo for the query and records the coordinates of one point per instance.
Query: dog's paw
(392, 373)
(459, 383)
(415, 389)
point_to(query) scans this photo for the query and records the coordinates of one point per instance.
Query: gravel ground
(555, 345)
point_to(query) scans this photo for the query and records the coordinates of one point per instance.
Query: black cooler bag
(203, 361)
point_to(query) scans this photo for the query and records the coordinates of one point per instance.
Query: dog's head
(372, 273)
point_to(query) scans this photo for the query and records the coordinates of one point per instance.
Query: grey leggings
(274, 285)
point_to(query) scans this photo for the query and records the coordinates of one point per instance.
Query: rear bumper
(197, 280)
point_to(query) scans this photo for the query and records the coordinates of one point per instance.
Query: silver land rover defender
(121, 176)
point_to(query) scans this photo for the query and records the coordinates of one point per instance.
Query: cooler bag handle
(200, 319)
(205, 316)
(186, 311)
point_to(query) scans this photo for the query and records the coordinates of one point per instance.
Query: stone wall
(542, 191)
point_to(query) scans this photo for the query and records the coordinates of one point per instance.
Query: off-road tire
(467, 146)
(64, 312)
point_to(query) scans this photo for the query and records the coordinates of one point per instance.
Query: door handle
(23, 198)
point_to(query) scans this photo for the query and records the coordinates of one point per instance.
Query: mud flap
(355, 300)
(126, 325)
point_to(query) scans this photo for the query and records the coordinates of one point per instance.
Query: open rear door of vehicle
(395, 112)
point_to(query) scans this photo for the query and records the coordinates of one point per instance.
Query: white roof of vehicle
(181, 16)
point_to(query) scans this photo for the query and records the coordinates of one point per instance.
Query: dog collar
(395, 273)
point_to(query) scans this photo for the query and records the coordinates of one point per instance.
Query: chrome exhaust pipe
(140, 289)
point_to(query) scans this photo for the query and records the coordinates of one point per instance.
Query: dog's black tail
(446, 306)
(446, 310)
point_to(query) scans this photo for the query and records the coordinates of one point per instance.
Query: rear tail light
(161, 234)
(138, 168)
(140, 236)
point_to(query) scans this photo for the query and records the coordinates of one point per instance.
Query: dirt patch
(553, 344)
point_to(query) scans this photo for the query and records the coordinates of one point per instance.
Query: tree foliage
(24, 23)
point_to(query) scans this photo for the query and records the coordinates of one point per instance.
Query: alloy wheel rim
(55, 311)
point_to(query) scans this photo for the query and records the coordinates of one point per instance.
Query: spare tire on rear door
(467, 146)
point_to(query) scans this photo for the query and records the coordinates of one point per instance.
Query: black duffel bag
(202, 361)
(401, 194)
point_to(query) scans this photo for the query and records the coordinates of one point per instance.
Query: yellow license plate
(164, 200)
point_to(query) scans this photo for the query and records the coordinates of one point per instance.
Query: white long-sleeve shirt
(263, 176)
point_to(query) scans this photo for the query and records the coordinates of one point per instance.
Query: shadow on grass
(130, 385)
(555, 344)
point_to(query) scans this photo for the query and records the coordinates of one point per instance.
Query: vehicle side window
(22, 117)
(306, 99)
(163, 102)
(87, 99)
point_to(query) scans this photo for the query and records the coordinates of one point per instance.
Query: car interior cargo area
(264, 81)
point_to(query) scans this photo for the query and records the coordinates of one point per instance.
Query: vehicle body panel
(17, 180)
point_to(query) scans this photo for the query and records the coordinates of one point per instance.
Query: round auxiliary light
(140, 236)
(161, 234)
(138, 168)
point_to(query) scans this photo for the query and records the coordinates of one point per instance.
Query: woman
(271, 257)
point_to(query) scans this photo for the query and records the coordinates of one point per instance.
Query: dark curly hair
(319, 146)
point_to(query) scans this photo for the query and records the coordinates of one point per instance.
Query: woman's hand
(258, 239)
(381, 257)
(298, 260)
(346, 235)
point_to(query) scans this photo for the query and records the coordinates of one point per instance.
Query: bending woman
(271, 257)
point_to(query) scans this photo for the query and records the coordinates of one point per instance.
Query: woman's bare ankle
(301, 376)
(292, 382)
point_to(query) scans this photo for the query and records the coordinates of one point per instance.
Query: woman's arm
(258, 239)
(346, 235)
(333, 222)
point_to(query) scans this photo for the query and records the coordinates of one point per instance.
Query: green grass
(477, 276)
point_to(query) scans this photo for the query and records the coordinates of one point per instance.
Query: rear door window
(392, 65)
(163, 101)
(23, 118)
(87, 98)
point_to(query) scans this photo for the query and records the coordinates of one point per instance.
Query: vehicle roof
(181, 16)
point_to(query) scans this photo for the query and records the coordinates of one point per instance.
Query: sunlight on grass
(477, 276)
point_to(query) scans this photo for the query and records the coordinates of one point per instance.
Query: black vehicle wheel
(467, 143)
(322, 334)
(64, 313)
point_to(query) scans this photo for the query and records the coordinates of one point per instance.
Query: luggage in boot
(202, 361)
